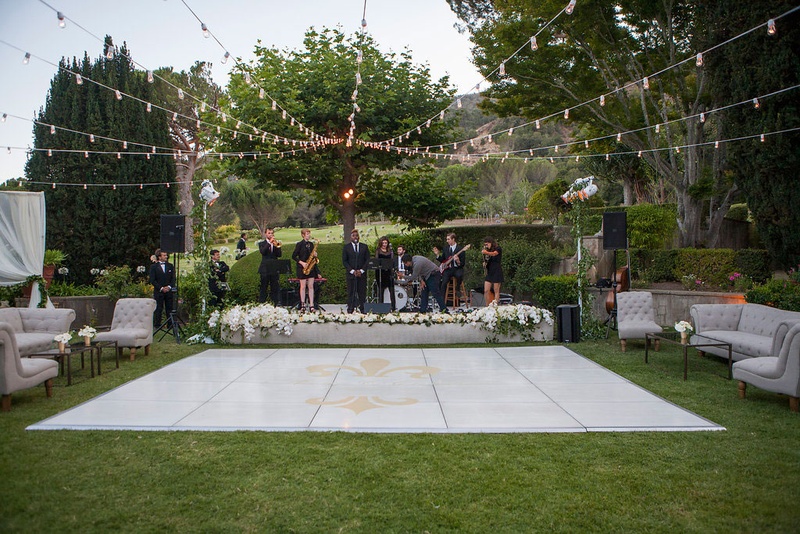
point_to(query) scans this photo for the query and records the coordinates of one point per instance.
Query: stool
(451, 296)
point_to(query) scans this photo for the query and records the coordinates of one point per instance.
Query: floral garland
(497, 320)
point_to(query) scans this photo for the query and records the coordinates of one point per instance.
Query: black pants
(356, 292)
(274, 281)
(386, 280)
(163, 300)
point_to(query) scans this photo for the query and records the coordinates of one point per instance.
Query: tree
(185, 132)
(316, 84)
(600, 48)
(101, 226)
(261, 207)
(766, 172)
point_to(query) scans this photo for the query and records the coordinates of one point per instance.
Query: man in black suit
(269, 269)
(455, 267)
(355, 256)
(162, 277)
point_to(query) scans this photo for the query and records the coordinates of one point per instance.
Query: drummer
(399, 268)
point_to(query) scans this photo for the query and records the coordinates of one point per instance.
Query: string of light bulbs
(771, 28)
(359, 61)
(181, 93)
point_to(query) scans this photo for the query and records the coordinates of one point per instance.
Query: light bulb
(180, 94)
(206, 33)
(62, 23)
(458, 103)
(586, 143)
(364, 23)
(52, 129)
(174, 117)
(27, 58)
(646, 82)
(762, 138)
(125, 145)
(202, 107)
(555, 148)
(217, 128)
(503, 68)
(261, 93)
(538, 125)
(224, 118)
(677, 150)
(716, 144)
(639, 154)
(225, 58)
(78, 79)
(149, 107)
(153, 149)
(699, 61)
(566, 113)
(702, 117)
(85, 154)
(570, 7)
(608, 157)
(50, 152)
(150, 77)
(119, 156)
(274, 105)
(247, 78)
(238, 124)
(197, 124)
(114, 187)
(771, 29)
(756, 103)
(602, 100)
(5, 117)
(658, 128)
(358, 78)
(118, 94)
(534, 44)
(283, 114)
(91, 138)
(619, 137)
(359, 57)
(291, 121)
(441, 115)
(109, 51)
(510, 131)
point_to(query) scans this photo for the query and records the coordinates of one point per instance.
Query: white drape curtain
(22, 232)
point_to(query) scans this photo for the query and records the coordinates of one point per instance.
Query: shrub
(117, 282)
(754, 263)
(712, 266)
(551, 291)
(738, 212)
(783, 294)
(224, 232)
(537, 261)
(651, 226)
(654, 265)
(65, 289)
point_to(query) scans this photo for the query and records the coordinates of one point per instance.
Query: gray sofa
(35, 328)
(752, 330)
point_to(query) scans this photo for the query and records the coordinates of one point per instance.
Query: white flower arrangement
(63, 271)
(63, 338)
(262, 317)
(87, 331)
(94, 272)
(683, 326)
(103, 272)
(141, 269)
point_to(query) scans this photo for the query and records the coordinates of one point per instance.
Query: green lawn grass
(743, 479)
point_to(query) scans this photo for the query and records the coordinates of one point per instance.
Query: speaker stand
(611, 320)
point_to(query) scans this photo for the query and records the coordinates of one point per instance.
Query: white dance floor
(460, 390)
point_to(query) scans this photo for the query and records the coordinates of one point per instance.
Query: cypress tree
(102, 226)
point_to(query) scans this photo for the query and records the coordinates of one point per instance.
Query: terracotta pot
(684, 337)
(47, 273)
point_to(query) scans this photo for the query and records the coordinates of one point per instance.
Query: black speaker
(289, 297)
(173, 228)
(568, 317)
(377, 307)
(615, 230)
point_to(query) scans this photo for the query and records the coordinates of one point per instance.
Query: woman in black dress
(492, 262)
(303, 252)
(385, 278)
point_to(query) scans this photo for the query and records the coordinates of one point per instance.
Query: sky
(162, 33)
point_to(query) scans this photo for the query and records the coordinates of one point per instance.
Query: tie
(356, 246)
(163, 266)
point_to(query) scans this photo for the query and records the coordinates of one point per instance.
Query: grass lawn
(743, 479)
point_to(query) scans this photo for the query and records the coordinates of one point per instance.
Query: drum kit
(406, 295)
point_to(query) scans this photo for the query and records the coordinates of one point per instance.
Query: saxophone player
(305, 254)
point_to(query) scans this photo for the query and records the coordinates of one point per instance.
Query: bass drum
(400, 296)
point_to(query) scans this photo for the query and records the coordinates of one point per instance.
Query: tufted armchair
(779, 374)
(132, 325)
(34, 328)
(17, 374)
(635, 316)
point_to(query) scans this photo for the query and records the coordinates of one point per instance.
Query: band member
(269, 270)
(217, 282)
(303, 252)
(162, 277)
(385, 276)
(492, 264)
(454, 258)
(399, 266)
(241, 246)
(355, 256)
(427, 273)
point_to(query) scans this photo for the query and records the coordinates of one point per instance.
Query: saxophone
(313, 260)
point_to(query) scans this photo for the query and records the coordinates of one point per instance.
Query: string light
(458, 103)
(52, 129)
(756, 103)
(570, 7)
(503, 68)
(62, 23)
(247, 78)
(5, 117)
(602, 100)
(699, 61)
(261, 93)
(149, 107)
(702, 117)
(771, 29)
(534, 44)
(118, 94)
(646, 82)
(566, 113)
(206, 33)
(658, 128)
(225, 57)
(109, 51)
(78, 79)
(150, 77)
(762, 137)
(27, 58)
(50, 152)
(619, 137)
(274, 105)
(538, 126)
(91, 138)
(180, 93)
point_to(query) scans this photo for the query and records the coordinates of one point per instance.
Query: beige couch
(35, 328)
(753, 330)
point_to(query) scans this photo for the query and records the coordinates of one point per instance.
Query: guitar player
(453, 259)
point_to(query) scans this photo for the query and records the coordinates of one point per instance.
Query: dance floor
(460, 390)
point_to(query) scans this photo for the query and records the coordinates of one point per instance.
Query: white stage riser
(382, 334)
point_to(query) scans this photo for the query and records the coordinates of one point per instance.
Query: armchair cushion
(131, 326)
(636, 315)
(17, 374)
(780, 373)
(34, 328)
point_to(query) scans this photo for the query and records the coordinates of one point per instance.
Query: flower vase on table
(62, 340)
(684, 338)
(87, 341)
(62, 347)
(684, 327)
(88, 333)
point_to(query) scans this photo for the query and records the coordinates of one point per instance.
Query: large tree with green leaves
(315, 84)
(101, 226)
(598, 50)
(766, 172)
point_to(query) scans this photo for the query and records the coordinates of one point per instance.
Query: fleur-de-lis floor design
(371, 367)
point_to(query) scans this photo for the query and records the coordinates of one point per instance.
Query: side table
(66, 356)
(673, 338)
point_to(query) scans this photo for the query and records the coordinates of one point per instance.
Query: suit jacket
(269, 265)
(447, 254)
(162, 277)
(353, 261)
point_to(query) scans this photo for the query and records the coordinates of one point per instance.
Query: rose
(683, 326)
(87, 331)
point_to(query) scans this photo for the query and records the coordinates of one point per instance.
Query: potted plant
(52, 259)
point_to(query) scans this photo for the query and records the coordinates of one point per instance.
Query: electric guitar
(445, 264)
